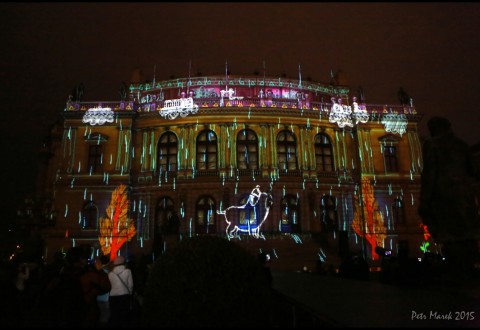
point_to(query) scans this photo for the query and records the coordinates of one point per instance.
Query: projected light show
(279, 161)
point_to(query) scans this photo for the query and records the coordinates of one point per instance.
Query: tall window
(398, 212)
(95, 158)
(323, 153)
(390, 157)
(89, 218)
(287, 151)
(247, 150)
(164, 211)
(95, 143)
(389, 145)
(329, 213)
(205, 215)
(290, 214)
(207, 150)
(167, 152)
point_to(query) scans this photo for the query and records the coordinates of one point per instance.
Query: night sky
(432, 50)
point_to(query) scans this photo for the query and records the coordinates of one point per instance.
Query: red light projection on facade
(373, 229)
(116, 228)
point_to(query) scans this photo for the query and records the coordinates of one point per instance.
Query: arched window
(287, 151)
(163, 211)
(290, 214)
(205, 215)
(167, 152)
(247, 150)
(329, 213)
(398, 212)
(323, 153)
(89, 216)
(207, 150)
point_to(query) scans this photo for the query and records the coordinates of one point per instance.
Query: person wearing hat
(121, 281)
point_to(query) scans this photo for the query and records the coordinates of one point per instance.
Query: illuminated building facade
(188, 149)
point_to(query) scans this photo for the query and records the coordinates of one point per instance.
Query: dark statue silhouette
(447, 198)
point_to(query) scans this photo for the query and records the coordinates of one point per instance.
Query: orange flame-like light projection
(374, 231)
(116, 228)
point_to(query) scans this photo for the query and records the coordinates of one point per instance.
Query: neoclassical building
(303, 170)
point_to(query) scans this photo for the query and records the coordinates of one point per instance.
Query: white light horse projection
(232, 219)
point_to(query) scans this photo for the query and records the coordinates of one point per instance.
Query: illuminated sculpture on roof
(232, 220)
(99, 116)
(228, 92)
(395, 122)
(359, 112)
(182, 107)
(116, 228)
(340, 114)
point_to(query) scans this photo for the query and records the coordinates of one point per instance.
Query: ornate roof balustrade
(249, 102)
(113, 105)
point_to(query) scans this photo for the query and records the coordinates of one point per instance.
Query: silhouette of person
(121, 279)
(103, 303)
(123, 92)
(403, 97)
(62, 302)
(17, 295)
(80, 90)
(95, 282)
(447, 198)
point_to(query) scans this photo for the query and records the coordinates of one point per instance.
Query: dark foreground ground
(329, 301)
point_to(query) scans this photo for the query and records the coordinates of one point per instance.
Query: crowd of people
(73, 290)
